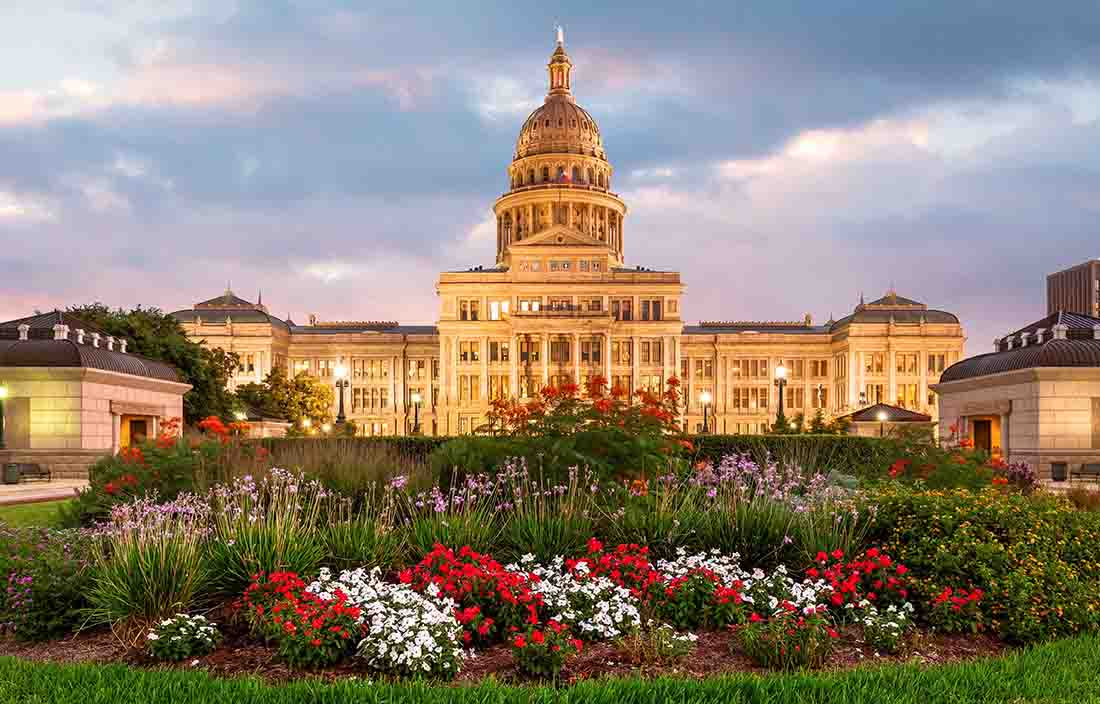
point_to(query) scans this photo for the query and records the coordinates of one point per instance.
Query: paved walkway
(31, 492)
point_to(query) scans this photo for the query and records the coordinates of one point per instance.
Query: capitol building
(560, 304)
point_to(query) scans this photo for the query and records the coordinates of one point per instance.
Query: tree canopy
(293, 399)
(155, 334)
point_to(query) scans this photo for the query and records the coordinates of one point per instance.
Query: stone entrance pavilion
(75, 394)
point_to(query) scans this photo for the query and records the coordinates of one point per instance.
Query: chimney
(997, 344)
(1096, 332)
(24, 331)
(1060, 331)
(122, 346)
(80, 336)
(312, 319)
(1011, 341)
(61, 332)
(1039, 335)
(95, 339)
(111, 342)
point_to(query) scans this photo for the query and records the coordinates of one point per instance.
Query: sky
(784, 156)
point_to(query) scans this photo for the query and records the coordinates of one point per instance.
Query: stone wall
(63, 464)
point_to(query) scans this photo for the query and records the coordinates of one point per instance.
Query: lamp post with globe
(781, 382)
(342, 383)
(705, 399)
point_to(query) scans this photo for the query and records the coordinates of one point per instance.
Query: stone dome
(559, 125)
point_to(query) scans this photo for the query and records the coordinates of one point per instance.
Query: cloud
(25, 209)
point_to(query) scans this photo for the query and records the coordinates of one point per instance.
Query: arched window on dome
(530, 177)
(601, 180)
(561, 173)
(548, 123)
(573, 123)
(545, 174)
(584, 124)
(588, 180)
(576, 174)
(561, 123)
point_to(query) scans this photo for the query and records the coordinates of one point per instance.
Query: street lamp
(415, 398)
(342, 383)
(781, 381)
(881, 423)
(3, 395)
(704, 398)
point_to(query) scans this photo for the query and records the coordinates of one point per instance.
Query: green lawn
(1067, 670)
(43, 513)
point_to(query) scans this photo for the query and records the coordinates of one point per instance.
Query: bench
(1087, 471)
(28, 470)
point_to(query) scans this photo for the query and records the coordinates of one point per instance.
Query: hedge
(1060, 671)
(860, 456)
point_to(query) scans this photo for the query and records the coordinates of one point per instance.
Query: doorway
(983, 435)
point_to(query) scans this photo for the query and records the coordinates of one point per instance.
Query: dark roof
(41, 324)
(893, 414)
(66, 353)
(893, 299)
(1079, 327)
(1052, 353)
(226, 300)
(220, 315)
(898, 316)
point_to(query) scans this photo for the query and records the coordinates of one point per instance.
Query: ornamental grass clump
(466, 513)
(657, 644)
(181, 637)
(149, 562)
(268, 525)
(545, 518)
(367, 535)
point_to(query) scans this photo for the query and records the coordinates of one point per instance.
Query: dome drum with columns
(559, 177)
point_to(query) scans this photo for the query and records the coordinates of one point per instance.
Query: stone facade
(561, 305)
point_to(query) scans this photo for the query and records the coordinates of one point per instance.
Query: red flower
(755, 618)
(537, 637)
(821, 557)
(520, 642)
(838, 554)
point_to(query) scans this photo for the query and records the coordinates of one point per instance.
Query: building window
(590, 351)
(704, 369)
(819, 368)
(595, 305)
(559, 303)
(530, 304)
(820, 397)
(873, 393)
(874, 362)
(907, 396)
(936, 362)
(469, 388)
(583, 265)
(620, 385)
(559, 351)
(498, 310)
(651, 308)
(621, 351)
(468, 309)
(498, 351)
(498, 387)
(468, 350)
(529, 351)
(621, 309)
(906, 363)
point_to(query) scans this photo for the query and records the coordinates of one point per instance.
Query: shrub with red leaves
(957, 610)
(490, 598)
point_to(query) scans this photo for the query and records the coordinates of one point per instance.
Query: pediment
(562, 236)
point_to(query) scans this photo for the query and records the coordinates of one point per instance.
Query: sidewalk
(31, 492)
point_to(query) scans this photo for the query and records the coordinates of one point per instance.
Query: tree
(294, 399)
(155, 334)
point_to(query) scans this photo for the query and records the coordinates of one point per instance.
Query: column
(569, 215)
(667, 349)
(116, 432)
(635, 346)
(861, 370)
(576, 359)
(513, 364)
(444, 387)
(893, 359)
(607, 359)
(545, 359)
(454, 373)
(922, 360)
(531, 218)
(1004, 436)
(484, 355)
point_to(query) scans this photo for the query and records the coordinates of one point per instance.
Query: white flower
(153, 636)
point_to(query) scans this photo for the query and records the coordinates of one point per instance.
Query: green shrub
(860, 456)
(181, 637)
(43, 577)
(1035, 559)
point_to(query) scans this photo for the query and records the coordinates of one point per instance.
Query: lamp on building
(326, 428)
(342, 382)
(240, 415)
(415, 398)
(306, 422)
(705, 399)
(3, 395)
(881, 423)
(781, 382)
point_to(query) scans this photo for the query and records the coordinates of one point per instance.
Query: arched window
(548, 123)
(576, 174)
(561, 172)
(545, 174)
(584, 124)
(561, 123)
(573, 124)
(589, 178)
(530, 177)
(601, 180)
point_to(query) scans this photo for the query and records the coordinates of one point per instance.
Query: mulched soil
(714, 654)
